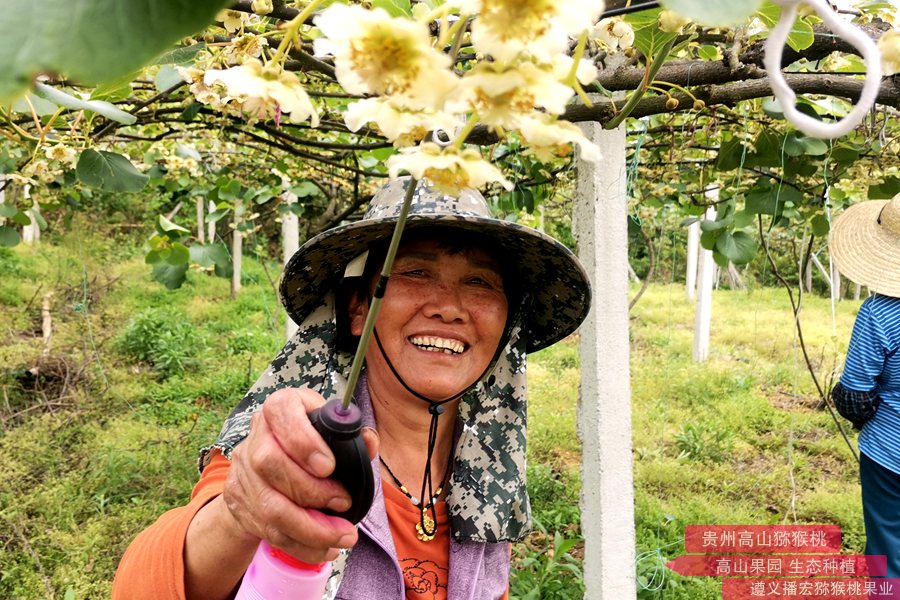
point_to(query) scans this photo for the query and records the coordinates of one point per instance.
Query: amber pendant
(422, 533)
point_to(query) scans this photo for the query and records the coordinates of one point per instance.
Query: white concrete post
(706, 274)
(3, 195)
(31, 233)
(201, 231)
(237, 247)
(290, 241)
(693, 249)
(211, 226)
(604, 407)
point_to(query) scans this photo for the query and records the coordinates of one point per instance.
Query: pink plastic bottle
(275, 575)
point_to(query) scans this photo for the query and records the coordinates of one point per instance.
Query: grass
(102, 436)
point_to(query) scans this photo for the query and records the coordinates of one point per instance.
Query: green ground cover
(99, 434)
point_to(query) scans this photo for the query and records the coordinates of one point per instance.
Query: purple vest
(478, 571)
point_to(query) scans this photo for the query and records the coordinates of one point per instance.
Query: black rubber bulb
(341, 428)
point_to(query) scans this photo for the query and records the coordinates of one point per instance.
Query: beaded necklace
(426, 528)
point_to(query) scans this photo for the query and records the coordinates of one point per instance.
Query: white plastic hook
(786, 96)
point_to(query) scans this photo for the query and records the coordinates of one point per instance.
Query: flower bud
(261, 7)
(672, 103)
(699, 104)
(672, 22)
(889, 44)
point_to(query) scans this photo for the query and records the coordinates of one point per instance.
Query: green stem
(572, 77)
(464, 133)
(677, 87)
(637, 94)
(456, 31)
(293, 27)
(369, 326)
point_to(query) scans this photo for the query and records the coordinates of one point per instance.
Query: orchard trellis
(295, 111)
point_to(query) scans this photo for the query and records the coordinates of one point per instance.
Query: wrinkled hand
(279, 479)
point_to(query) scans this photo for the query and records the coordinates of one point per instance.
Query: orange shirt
(152, 567)
(425, 564)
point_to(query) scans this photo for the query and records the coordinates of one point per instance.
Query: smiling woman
(443, 396)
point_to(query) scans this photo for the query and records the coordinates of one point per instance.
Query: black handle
(341, 428)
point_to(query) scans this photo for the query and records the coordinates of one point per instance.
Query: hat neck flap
(487, 496)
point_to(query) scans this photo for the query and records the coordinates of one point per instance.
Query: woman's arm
(273, 489)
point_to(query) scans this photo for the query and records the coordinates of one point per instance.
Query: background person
(444, 387)
(865, 244)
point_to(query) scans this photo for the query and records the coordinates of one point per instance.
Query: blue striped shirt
(873, 364)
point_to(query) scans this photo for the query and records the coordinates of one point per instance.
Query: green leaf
(39, 219)
(171, 276)
(801, 35)
(90, 41)
(305, 189)
(229, 189)
(708, 225)
(731, 155)
(9, 236)
(648, 37)
(768, 152)
(181, 56)
(20, 218)
(714, 14)
(814, 146)
(42, 107)
(708, 238)
(793, 146)
(708, 52)
(768, 200)
(395, 8)
(720, 259)
(744, 218)
(217, 215)
(844, 155)
(209, 255)
(115, 90)
(100, 107)
(70, 594)
(178, 255)
(224, 270)
(820, 225)
(167, 226)
(190, 113)
(168, 76)
(109, 171)
(886, 190)
(738, 246)
(7, 210)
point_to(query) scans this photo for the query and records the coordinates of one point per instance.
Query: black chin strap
(436, 409)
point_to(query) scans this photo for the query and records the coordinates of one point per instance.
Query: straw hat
(558, 285)
(865, 244)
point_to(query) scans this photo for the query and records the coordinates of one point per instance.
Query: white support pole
(823, 271)
(3, 195)
(604, 406)
(31, 233)
(705, 275)
(201, 230)
(211, 226)
(237, 248)
(693, 249)
(290, 241)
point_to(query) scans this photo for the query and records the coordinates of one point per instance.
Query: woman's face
(441, 320)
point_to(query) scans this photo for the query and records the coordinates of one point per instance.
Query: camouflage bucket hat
(557, 285)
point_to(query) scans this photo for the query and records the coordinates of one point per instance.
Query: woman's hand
(278, 480)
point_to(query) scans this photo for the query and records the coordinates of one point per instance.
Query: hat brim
(556, 283)
(865, 252)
